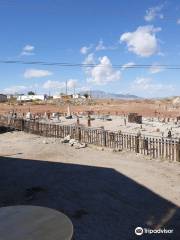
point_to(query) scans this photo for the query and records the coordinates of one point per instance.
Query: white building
(76, 96)
(3, 98)
(30, 97)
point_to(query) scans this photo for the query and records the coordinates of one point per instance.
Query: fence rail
(154, 147)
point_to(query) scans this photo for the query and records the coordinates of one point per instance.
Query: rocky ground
(105, 194)
(147, 108)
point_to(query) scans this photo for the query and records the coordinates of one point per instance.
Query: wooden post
(178, 151)
(77, 120)
(104, 139)
(89, 121)
(22, 124)
(79, 134)
(137, 144)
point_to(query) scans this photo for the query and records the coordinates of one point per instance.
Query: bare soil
(161, 108)
(105, 194)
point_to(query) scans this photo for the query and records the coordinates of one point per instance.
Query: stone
(66, 139)
(80, 145)
(45, 142)
(72, 142)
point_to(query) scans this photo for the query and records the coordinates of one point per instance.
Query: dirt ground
(147, 108)
(105, 194)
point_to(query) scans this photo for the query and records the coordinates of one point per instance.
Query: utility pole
(66, 87)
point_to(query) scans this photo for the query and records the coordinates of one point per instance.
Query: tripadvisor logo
(139, 231)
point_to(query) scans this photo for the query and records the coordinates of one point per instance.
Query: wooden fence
(154, 147)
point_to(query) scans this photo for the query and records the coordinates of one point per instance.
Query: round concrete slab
(34, 223)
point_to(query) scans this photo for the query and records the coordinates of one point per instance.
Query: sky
(102, 33)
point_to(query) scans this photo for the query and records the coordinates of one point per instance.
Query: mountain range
(98, 94)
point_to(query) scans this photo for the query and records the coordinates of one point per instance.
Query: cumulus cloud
(15, 89)
(154, 12)
(72, 83)
(148, 85)
(156, 68)
(50, 84)
(89, 60)
(100, 46)
(36, 73)
(103, 73)
(143, 41)
(84, 50)
(127, 65)
(28, 50)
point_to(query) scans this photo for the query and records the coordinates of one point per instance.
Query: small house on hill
(3, 98)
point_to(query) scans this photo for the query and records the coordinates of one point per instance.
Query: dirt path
(105, 194)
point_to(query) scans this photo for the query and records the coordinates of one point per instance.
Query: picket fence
(154, 147)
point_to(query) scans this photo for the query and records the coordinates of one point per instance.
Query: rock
(72, 142)
(80, 145)
(45, 142)
(66, 139)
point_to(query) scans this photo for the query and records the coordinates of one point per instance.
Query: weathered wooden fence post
(79, 134)
(104, 139)
(89, 121)
(77, 120)
(22, 124)
(137, 144)
(178, 151)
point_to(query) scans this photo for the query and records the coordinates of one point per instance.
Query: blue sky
(104, 33)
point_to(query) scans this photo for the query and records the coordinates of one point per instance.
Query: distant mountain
(104, 95)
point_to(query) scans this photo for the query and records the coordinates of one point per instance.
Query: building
(78, 96)
(3, 98)
(134, 118)
(63, 97)
(31, 98)
(69, 97)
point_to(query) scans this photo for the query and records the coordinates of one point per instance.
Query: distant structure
(63, 97)
(69, 96)
(78, 96)
(134, 118)
(3, 98)
(27, 98)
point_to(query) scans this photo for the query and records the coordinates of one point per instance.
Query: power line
(85, 65)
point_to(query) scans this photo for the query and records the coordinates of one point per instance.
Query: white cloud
(127, 65)
(89, 60)
(15, 89)
(53, 84)
(84, 89)
(156, 68)
(149, 86)
(100, 46)
(143, 41)
(27, 53)
(36, 73)
(72, 83)
(28, 50)
(178, 21)
(103, 73)
(153, 13)
(84, 50)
